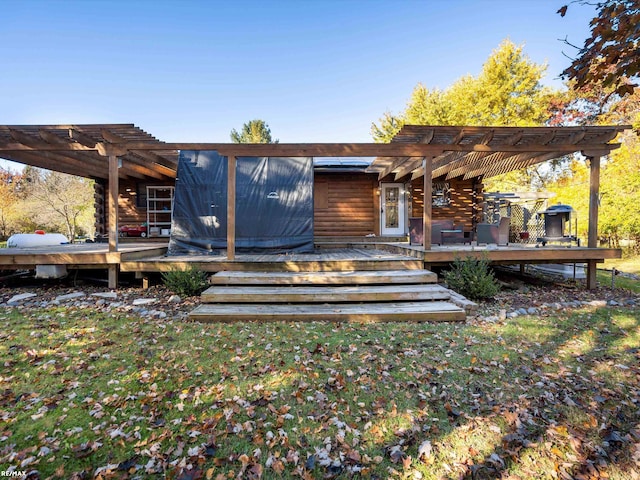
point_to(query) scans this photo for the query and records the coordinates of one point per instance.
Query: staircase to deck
(355, 296)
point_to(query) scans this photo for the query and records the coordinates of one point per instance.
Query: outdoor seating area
(494, 233)
(443, 231)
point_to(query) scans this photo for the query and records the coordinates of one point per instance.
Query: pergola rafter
(474, 151)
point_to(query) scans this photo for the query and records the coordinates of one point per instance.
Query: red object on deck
(133, 231)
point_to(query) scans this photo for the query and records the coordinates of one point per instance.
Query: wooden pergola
(117, 151)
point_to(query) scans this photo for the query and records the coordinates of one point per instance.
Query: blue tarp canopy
(274, 204)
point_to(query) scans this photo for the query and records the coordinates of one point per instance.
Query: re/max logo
(13, 473)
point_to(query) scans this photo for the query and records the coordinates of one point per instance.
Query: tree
(508, 91)
(572, 188)
(589, 105)
(620, 193)
(9, 200)
(256, 131)
(611, 55)
(61, 201)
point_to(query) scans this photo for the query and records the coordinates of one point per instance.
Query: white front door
(392, 209)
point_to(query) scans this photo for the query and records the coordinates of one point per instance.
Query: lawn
(627, 264)
(89, 394)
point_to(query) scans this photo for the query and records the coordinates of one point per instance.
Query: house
(425, 174)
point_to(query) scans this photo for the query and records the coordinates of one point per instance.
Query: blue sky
(315, 71)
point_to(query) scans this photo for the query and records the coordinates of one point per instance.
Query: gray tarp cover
(274, 204)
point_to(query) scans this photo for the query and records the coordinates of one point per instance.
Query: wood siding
(466, 202)
(128, 211)
(131, 211)
(344, 204)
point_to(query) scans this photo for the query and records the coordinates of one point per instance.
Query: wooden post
(113, 217)
(113, 203)
(594, 200)
(592, 267)
(231, 207)
(426, 210)
(594, 195)
(112, 280)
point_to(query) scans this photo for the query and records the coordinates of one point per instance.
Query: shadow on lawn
(586, 429)
(532, 396)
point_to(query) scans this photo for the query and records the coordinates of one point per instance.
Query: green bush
(187, 283)
(472, 278)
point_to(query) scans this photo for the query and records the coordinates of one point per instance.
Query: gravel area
(519, 296)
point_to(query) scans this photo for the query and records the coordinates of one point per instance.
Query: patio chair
(492, 233)
(436, 229)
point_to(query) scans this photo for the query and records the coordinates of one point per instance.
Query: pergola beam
(408, 167)
(52, 138)
(426, 139)
(460, 157)
(140, 166)
(82, 138)
(137, 164)
(157, 159)
(318, 149)
(46, 159)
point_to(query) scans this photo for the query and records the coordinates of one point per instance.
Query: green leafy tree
(620, 194)
(611, 55)
(255, 131)
(618, 215)
(572, 188)
(507, 92)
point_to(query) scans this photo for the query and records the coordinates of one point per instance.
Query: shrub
(472, 278)
(186, 282)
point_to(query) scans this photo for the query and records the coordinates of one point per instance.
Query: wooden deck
(366, 254)
(335, 259)
(511, 254)
(76, 256)
(146, 257)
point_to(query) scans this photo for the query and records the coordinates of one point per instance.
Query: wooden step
(360, 239)
(347, 264)
(325, 278)
(366, 313)
(323, 293)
